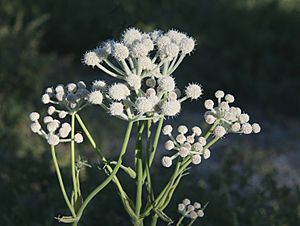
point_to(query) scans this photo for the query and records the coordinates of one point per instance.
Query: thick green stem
(113, 173)
(73, 158)
(61, 183)
(180, 220)
(154, 220)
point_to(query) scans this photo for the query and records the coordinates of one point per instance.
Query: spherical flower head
(145, 63)
(200, 213)
(244, 118)
(166, 161)
(183, 152)
(219, 94)
(187, 45)
(64, 132)
(67, 126)
(150, 92)
(131, 35)
(53, 125)
(219, 131)
(156, 34)
(90, 58)
(197, 205)
(193, 91)
(182, 129)
(62, 114)
(171, 108)
(119, 91)
(208, 104)
(196, 159)
(162, 41)
(116, 109)
(167, 130)
(139, 50)
(53, 139)
(186, 202)
(47, 119)
(246, 128)
(143, 105)
(209, 119)
(171, 50)
(99, 85)
(256, 128)
(180, 138)
(134, 81)
(101, 53)
(190, 139)
(181, 208)
(148, 43)
(206, 153)
(95, 97)
(78, 138)
(166, 84)
(190, 208)
(120, 52)
(196, 130)
(235, 127)
(202, 141)
(169, 145)
(45, 98)
(197, 147)
(35, 127)
(49, 91)
(172, 96)
(229, 98)
(224, 106)
(175, 36)
(34, 116)
(150, 82)
(51, 110)
(60, 96)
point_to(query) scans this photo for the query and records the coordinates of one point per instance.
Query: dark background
(247, 47)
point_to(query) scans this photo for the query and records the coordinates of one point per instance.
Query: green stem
(180, 220)
(212, 128)
(147, 170)
(113, 173)
(61, 183)
(192, 221)
(73, 158)
(154, 220)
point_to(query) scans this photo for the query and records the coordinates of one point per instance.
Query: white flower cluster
(193, 211)
(143, 54)
(56, 132)
(184, 145)
(230, 119)
(72, 97)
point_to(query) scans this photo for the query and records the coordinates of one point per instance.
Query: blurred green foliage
(249, 47)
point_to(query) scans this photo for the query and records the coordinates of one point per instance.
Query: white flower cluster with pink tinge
(144, 62)
(56, 132)
(189, 210)
(229, 119)
(185, 145)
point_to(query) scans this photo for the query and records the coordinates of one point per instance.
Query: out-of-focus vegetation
(247, 47)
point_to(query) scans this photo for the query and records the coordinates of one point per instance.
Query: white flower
(60, 96)
(202, 141)
(51, 110)
(145, 63)
(181, 207)
(47, 119)
(120, 51)
(34, 116)
(224, 106)
(193, 91)
(90, 58)
(180, 138)
(53, 125)
(116, 109)
(182, 129)
(200, 213)
(119, 91)
(171, 50)
(206, 153)
(134, 81)
(210, 119)
(81, 85)
(167, 130)
(196, 130)
(46, 98)
(198, 146)
(96, 97)
(99, 85)
(229, 98)
(169, 145)
(235, 127)
(246, 128)
(71, 87)
(166, 161)
(53, 139)
(62, 114)
(150, 82)
(148, 43)
(131, 35)
(108, 46)
(63, 132)
(190, 139)
(59, 88)
(196, 159)
(197, 205)
(190, 208)
(175, 36)
(219, 131)
(78, 138)
(219, 94)
(139, 50)
(67, 126)
(35, 127)
(155, 34)
(166, 84)
(208, 104)
(244, 118)
(256, 128)
(49, 90)
(186, 202)
(171, 108)
(183, 152)
(172, 96)
(162, 41)
(187, 45)
(143, 105)
(193, 215)
(101, 53)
